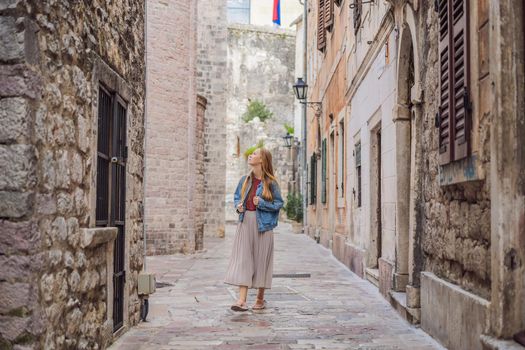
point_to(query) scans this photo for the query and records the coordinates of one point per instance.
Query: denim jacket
(267, 213)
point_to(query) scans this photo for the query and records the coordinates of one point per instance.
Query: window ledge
(92, 237)
(461, 171)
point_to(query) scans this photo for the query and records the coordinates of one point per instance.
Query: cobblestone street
(333, 309)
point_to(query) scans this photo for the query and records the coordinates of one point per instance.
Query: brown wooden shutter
(313, 179)
(460, 72)
(454, 108)
(323, 172)
(328, 14)
(444, 115)
(357, 15)
(321, 34)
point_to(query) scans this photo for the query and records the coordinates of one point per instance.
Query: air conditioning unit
(146, 283)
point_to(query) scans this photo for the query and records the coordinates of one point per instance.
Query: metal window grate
(111, 187)
(103, 157)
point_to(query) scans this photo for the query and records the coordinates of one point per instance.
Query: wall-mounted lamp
(301, 89)
(288, 141)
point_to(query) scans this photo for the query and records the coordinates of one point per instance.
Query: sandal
(259, 306)
(239, 307)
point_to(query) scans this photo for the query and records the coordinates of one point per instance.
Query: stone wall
(455, 219)
(260, 67)
(170, 127)
(54, 280)
(211, 84)
(199, 200)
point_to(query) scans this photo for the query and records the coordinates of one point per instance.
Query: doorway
(332, 197)
(379, 228)
(111, 187)
(376, 206)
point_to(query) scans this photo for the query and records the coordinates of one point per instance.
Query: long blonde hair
(267, 178)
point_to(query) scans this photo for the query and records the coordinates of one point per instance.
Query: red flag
(277, 12)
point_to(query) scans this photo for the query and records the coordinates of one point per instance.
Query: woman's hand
(256, 200)
(240, 208)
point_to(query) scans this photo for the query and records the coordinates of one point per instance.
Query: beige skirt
(251, 262)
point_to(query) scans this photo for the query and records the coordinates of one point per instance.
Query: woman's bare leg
(243, 294)
(260, 295)
(240, 305)
(259, 303)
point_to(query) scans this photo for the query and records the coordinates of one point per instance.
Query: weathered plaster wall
(54, 289)
(372, 106)
(261, 67)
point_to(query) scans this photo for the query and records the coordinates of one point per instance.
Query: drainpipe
(145, 136)
(303, 129)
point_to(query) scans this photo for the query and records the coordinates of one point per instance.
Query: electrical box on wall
(146, 283)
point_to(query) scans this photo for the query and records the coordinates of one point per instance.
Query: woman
(258, 201)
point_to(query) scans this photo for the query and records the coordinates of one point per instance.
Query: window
(387, 52)
(239, 11)
(321, 34)
(358, 172)
(313, 179)
(341, 161)
(105, 108)
(328, 14)
(325, 21)
(111, 186)
(358, 11)
(323, 172)
(453, 117)
(318, 135)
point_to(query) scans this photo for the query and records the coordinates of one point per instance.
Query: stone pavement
(333, 309)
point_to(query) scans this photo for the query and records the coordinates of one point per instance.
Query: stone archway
(405, 116)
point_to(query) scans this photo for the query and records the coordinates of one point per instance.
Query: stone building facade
(260, 67)
(190, 162)
(212, 48)
(407, 168)
(68, 80)
(174, 187)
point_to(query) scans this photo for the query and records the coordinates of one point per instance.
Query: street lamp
(288, 140)
(301, 88)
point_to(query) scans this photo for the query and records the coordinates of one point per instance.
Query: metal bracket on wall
(354, 4)
(317, 106)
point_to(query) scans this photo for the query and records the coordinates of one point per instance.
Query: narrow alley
(382, 141)
(331, 309)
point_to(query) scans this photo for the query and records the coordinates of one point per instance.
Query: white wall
(374, 96)
(299, 66)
